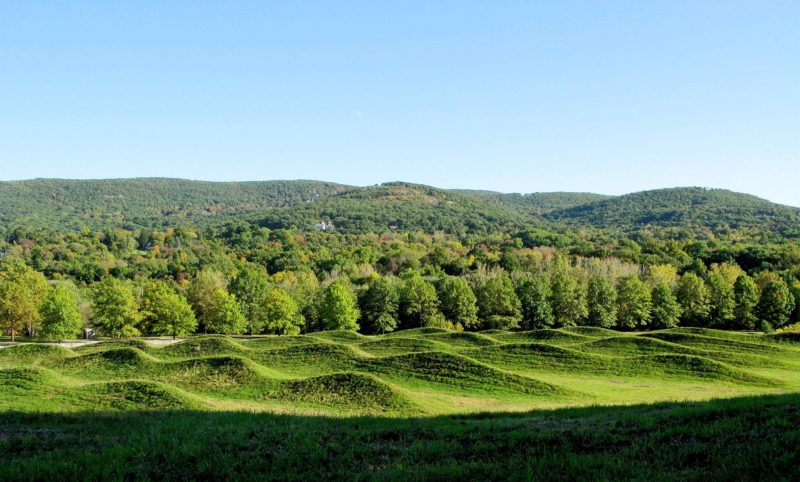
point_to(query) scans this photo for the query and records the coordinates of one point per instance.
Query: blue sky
(525, 96)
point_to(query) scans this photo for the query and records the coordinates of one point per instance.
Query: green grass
(736, 439)
(419, 404)
(419, 372)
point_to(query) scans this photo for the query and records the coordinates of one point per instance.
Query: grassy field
(424, 403)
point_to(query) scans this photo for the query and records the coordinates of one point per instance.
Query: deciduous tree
(666, 310)
(21, 293)
(282, 314)
(634, 303)
(115, 308)
(339, 310)
(602, 302)
(775, 305)
(534, 296)
(693, 297)
(252, 289)
(379, 304)
(745, 297)
(61, 318)
(567, 298)
(722, 298)
(419, 301)
(165, 311)
(498, 305)
(224, 315)
(458, 303)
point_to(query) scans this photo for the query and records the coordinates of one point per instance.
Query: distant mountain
(400, 206)
(55, 204)
(145, 201)
(690, 208)
(536, 203)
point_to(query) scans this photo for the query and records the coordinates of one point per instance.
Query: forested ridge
(300, 256)
(685, 208)
(52, 204)
(71, 204)
(141, 256)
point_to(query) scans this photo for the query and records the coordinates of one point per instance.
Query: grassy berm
(681, 404)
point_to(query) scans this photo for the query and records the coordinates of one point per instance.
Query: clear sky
(609, 97)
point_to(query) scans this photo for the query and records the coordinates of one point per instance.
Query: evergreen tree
(694, 299)
(115, 308)
(602, 302)
(61, 318)
(534, 296)
(745, 297)
(339, 310)
(458, 303)
(666, 311)
(634, 303)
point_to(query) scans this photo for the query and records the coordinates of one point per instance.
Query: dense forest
(164, 257)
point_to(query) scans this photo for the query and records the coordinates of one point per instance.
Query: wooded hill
(155, 202)
(688, 208)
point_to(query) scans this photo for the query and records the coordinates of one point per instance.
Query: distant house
(324, 226)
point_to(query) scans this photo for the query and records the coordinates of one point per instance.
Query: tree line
(558, 291)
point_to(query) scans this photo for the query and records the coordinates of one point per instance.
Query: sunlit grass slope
(414, 372)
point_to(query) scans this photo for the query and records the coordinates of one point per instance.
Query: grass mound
(791, 337)
(339, 336)
(31, 389)
(398, 346)
(33, 351)
(115, 358)
(426, 330)
(105, 345)
(698, 367)
(431, 370)
(13, 379)
(351, 391)
(696, 340)
(538, 356)
(276, 342)
(203, 346)
(306, 360)
(457, 372)
(462, 339)
(636, 345)
(135, 395)
(215, 372)
(711, 332)
(555, 337)
(593, 331)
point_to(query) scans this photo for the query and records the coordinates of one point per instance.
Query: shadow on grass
(733, 439)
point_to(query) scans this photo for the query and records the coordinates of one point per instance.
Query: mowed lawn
(419, 404)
